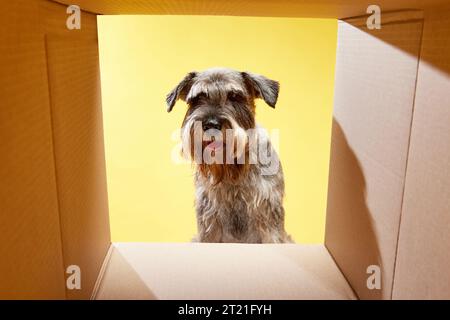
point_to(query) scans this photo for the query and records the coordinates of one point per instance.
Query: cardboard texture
(221, 271)
(374, 95)
(31, 264)
(389, 183)
(53, 191)
(423, 262)
(276, 8)
(79, 155)
(75, 103)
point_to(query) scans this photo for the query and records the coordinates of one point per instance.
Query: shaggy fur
(239, 195)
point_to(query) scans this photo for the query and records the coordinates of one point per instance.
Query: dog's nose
(211, 124)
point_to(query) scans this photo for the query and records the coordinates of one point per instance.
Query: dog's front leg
(209, 230)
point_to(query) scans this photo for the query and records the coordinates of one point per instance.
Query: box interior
(389, 183)
(241, 271)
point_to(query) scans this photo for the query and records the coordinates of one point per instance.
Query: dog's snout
(212, 123)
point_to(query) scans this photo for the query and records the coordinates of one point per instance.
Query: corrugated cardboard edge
(102, 272)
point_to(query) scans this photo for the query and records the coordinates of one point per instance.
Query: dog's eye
(201, 95)
(235, 97)
(196, 100)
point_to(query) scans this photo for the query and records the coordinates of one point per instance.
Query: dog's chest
(237, 208)
(233, 209)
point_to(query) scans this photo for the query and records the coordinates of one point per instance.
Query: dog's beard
(219, 155)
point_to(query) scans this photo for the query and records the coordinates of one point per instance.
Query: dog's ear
(263, 87)
(180, 91)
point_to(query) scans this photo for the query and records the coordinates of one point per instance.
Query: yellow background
(143, 57)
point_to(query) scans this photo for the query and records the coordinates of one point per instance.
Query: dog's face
(221, 108)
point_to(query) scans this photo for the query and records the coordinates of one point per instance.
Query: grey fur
(234, 203)
(265, 88)
(179, 92)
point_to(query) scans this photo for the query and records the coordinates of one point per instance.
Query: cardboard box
(389, 184)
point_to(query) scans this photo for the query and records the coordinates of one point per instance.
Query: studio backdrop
(151, 192)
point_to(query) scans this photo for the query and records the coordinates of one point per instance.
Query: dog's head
(221, 112)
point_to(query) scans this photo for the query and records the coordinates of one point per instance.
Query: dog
(238, 176)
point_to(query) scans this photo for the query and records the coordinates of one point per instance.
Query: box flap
(271, 8)
(222, 271)
(374, 92)
(423, 261)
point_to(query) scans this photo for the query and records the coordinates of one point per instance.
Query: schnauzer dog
(238, 178)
